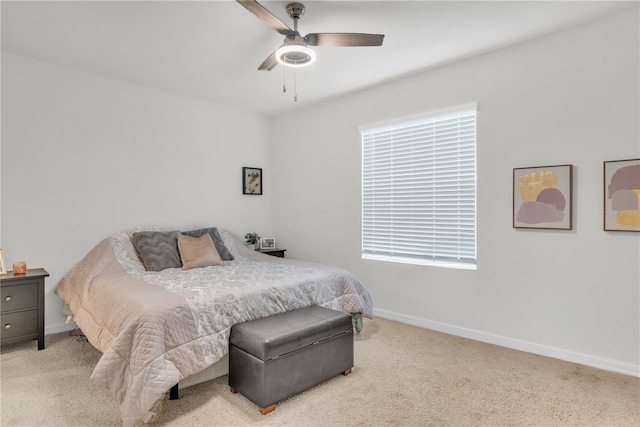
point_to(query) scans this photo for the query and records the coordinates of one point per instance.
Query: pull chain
(295, 86)
(284, 78)
(295, 81)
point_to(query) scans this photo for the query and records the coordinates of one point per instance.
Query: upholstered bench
(273, 358)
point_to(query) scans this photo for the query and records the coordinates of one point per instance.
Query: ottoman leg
(232, 390)
(347, 372)
(265, 411)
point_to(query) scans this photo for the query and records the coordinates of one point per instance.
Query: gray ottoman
(273, 358)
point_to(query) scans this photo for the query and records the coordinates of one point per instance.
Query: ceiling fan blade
(267, 17)
(269, 63)
(344, 39)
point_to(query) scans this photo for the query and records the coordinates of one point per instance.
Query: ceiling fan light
(295, 55)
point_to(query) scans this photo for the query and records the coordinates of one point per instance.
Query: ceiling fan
(295, 51)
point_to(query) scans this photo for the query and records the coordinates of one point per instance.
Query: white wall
(85, 155)
(568, 98)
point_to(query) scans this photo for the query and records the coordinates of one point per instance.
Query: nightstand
(273, 252)
(22, 306)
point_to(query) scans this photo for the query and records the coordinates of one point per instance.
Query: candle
(19, 267)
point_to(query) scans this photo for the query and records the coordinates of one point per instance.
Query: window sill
(414, 261)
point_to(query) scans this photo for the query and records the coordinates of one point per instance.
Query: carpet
(403, 376)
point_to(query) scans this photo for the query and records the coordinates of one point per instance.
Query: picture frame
(252, 181)
(543, 197)
(267, 243)
(3, 263)
(621, 195)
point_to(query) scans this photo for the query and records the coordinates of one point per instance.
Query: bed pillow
(157, 249)
(223, 251)
(197, 252)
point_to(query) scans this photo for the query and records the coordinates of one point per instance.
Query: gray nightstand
(273, 252)
(22, 306)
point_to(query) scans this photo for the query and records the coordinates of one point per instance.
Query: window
(419, 189)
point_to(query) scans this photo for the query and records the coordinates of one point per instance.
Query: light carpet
(403, 376)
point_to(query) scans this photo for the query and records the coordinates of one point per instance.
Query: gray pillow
(157, 249)
(217, 241)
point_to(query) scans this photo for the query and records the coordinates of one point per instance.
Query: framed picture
(252, 181)
(542, 197)
(622, 195)
(267, 243)
(3, 264)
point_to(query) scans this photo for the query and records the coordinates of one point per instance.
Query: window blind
(419, 189)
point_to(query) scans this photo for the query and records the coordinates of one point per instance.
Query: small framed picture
(252, 181)
(622, 195)
(267, 243)
(3, 264)
(542, 197)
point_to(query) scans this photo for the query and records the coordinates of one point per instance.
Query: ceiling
(211, 50)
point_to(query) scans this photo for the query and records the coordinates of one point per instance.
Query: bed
(158, 328)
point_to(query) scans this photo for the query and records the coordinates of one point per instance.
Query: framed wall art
(542, 197)
(622, 195)
(3, 265)
(252, 181)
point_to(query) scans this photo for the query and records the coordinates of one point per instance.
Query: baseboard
(61, 327)
(556, 353)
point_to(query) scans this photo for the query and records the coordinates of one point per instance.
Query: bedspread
(156, 328)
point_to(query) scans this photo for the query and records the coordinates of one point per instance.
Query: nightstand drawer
(18, 324)
(19, 296)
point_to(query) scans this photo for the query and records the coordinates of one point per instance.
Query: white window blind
(419, 189)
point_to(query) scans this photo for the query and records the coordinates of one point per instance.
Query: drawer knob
(7, 299)
(7, 326)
